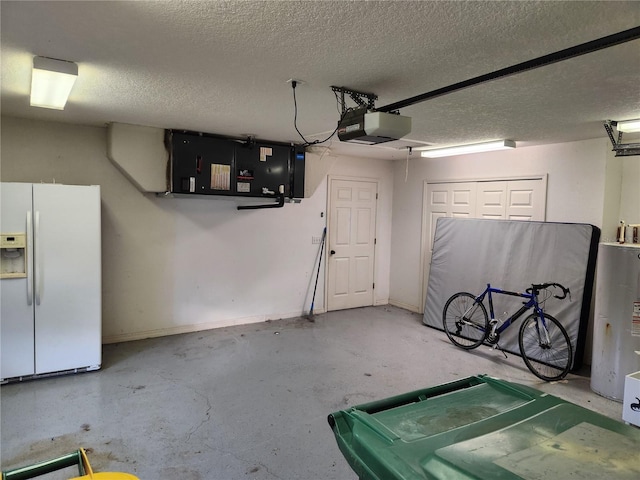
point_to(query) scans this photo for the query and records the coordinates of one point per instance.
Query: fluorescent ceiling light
(464, 149)
(629, 126)
(51, 82)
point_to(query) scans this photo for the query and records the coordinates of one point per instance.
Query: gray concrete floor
(246, 402)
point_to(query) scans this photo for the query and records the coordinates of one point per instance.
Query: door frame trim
(330, 179)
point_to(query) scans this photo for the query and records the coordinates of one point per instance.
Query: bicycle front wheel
(546, 349)
(465, 320)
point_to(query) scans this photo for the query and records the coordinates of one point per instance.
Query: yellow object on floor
(100, 476)
(106, 476)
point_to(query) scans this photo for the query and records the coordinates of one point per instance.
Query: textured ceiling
(221, 67)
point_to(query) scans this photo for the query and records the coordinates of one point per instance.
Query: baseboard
(199, 327)
(406, 306)
(380, 301)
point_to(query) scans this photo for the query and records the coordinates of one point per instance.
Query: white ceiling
(221, 66)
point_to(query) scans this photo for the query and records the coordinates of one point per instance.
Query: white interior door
(67, 276)
(512, 199)
(351, 243)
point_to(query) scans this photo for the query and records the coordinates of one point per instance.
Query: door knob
(332, 252)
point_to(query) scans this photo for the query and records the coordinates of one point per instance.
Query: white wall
(173, 265)
(612, 197)
(575, 193)
(622, 195)
(630, 196)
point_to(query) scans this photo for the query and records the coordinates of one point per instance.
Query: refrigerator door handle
(38, 266)
(29, 259)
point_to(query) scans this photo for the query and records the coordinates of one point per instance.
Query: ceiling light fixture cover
(629, 126)
(51, 82)
(464, 149)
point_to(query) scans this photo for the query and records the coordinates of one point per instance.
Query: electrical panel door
(261, 169)
(202, 165)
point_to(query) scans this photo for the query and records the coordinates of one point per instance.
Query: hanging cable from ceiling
(406, 168)
(294, 84)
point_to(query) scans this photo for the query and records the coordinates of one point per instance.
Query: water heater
(616, 332)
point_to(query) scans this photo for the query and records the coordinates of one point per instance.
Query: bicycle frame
(532, 302)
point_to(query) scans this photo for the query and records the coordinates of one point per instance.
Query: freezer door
(67, 273)
(16, 300)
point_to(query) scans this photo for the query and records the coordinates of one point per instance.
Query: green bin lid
(483, 428)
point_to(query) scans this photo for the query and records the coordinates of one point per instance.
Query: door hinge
(376, 196)
(374, 285)
(375, 241)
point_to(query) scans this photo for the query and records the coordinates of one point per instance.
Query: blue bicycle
(544, 343)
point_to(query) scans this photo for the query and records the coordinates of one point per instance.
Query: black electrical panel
(211, 165)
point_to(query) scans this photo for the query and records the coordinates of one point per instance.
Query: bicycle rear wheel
(548, 358)
(465, 320)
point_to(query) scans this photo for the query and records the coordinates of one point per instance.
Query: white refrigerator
(50, 279)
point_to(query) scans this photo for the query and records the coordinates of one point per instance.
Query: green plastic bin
(484, 428)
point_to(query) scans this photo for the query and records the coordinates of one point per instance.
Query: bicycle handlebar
(535, 288)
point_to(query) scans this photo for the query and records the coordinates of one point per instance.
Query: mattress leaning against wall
(469, 253)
